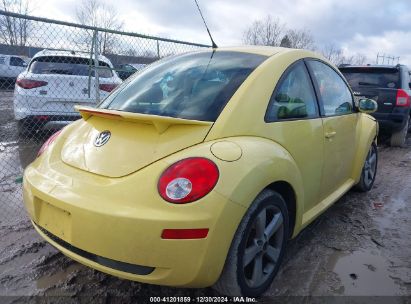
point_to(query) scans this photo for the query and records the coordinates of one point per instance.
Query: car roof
(256, 49)
(383, 66)
(73, 54)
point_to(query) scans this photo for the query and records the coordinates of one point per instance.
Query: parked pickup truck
(10, 67)
(389, 85)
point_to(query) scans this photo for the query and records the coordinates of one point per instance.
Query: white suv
(55, 81)
(10, 67)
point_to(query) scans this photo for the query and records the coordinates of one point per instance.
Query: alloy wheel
(370, 166)
(263, 246)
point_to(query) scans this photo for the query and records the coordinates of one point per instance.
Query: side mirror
(367, 105)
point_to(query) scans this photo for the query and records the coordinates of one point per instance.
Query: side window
(16, 61)
(293, 97)
(2, 60)
(335, 95)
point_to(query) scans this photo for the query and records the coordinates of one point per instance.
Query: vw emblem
(71, 84)
(102, 138)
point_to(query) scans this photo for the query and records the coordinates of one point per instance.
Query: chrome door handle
(330, 134)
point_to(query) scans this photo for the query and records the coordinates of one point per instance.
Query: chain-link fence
(47, 67)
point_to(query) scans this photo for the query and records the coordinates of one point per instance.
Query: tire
(236, 279)
(369, 171)
(398, 138)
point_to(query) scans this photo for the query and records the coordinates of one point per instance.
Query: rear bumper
(78, 254)
(28, 106)
(107, 224)
(48, 122)
(392, 122)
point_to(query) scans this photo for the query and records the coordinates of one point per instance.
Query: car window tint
(16, 61)
(130, 67)
(68, 66)
(294, 97)
(191, 86)
(372, 77)
(335, 95)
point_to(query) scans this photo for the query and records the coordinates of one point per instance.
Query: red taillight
(188, 180)
(30, 84)
(403, 99)
(42, 117)
(48, 142)
(178, 234)
(107, 87)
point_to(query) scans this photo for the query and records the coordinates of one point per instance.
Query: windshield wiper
(368, 84)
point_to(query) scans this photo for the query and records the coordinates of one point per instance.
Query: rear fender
(262, 163)
(366, 135)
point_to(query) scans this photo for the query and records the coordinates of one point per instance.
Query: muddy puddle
(363, 273)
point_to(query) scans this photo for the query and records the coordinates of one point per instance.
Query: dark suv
(390, 87)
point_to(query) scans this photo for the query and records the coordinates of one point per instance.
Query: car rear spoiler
(161, 123)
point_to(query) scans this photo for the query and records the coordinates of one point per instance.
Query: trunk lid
(67, 87)
(135, 141)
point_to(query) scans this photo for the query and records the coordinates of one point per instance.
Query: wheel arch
(367, 134)
(287, 192)
(265, 165)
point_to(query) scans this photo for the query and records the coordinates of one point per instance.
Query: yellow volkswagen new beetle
(197, 170)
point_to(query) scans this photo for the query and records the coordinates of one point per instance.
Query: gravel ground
(359, 250)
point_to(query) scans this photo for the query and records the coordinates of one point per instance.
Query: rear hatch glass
(372, 77)
(62, 65)
(194, 86)
(379, 84)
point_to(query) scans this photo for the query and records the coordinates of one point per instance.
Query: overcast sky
(357, 26)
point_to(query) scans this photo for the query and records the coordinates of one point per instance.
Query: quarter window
(16, 61)
(294, 97)
(335, 95)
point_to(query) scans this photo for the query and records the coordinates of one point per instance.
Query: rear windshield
(192, 86)
(68, 66)
(372, 77)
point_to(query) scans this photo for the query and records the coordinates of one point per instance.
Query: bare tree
(269, 31)
(131, 52)
(99, 14)
(333, 54)
(359, 59)
(285, 42)
(15, 31)
(272, 32)
(336, 55)
(300, 39)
